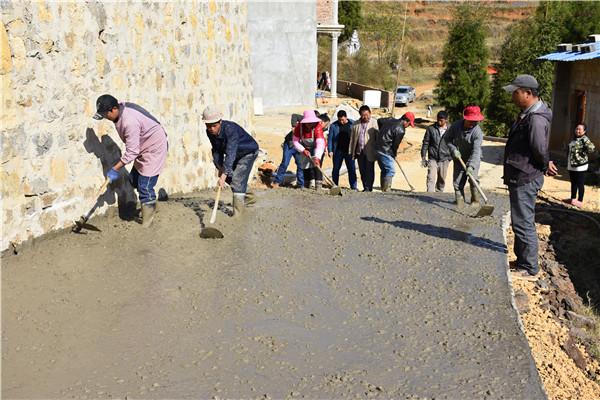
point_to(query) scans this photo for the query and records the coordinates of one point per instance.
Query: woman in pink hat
(309, 140)
(464, 138)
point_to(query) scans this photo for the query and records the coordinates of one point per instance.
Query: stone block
(48, 199)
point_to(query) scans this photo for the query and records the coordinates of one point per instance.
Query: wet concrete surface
(392, 295)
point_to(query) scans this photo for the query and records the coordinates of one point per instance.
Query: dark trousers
(338, 159)
(242, 167)
(522, 218)
(367, 172)
(577, 184)
(312, 174)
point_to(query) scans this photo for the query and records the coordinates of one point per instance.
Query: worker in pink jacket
(145, 145)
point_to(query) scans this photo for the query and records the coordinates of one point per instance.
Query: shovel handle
(329, 181)
(405, 177)
(103, 187)
(472, 180)
(213, 216)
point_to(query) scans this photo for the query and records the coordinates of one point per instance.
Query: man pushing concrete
(145, 144)
(464, 138)
(391, 133)
(234, 152)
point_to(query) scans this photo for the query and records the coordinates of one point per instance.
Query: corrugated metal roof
(570, 56)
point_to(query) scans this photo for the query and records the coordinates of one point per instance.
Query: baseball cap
(410, 117)
(522, 81)
(104, 103)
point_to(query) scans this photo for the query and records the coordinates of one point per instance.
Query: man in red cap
(391, 132)
(464, 138)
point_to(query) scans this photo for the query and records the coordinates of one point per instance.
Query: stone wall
(283, 52)
(57, 57)
(572, 77)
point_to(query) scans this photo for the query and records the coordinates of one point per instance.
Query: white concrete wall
(283, 51)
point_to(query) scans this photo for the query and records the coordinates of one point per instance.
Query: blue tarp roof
(570, 56)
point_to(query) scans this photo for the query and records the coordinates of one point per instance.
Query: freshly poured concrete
(365, 295)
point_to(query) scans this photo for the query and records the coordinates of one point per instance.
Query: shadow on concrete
(443, 233)
(201, 207)
(121, 191)
(433, 200)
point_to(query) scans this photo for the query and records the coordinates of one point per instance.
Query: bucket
(372, 98)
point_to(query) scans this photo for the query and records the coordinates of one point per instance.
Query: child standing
(577, 163)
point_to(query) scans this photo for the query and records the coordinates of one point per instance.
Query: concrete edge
(505, 225)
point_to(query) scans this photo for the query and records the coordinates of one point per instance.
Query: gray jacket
(435, 146)
(468, 142)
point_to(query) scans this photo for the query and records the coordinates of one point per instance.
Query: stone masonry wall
(325, 12)
(58, 57)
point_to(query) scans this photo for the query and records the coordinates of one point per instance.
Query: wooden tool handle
(405, 177)
(103, 187)
(472, 180)
(213, 216)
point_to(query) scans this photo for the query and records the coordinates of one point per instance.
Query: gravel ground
(308, 295)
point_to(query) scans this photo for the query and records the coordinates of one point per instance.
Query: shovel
(335, 189)
(209, 232)
(412, 188)
(82, 222)
(486, 209)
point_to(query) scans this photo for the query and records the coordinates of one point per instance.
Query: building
(576, 94)
(327, 23)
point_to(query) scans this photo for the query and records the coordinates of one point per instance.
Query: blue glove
(112, 175)
(456, 154)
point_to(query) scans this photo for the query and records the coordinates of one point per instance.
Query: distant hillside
(427, 30)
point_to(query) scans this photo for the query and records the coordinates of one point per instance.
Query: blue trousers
(338, 159)
(522, 218)
(288, 153)
(144, 185)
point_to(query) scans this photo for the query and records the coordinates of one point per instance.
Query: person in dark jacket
(435, 154)
(526, 160)
(338, 147)
(234, 152)
(464, 138)
(391, 132)
(289, 151)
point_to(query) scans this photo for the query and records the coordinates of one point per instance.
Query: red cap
(410, 117)
(473, 113)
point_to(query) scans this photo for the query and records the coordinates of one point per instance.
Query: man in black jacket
(435, 154)
(526, 159)
(234, 152)
(391, 132)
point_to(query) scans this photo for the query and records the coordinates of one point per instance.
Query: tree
(552, 23)
(383, 31)
(464, 80)
(349, 15)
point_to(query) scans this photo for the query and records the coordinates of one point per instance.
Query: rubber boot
(238, 204)
(474, 197)
(386, 184)
(318, 185)
(148, 211)
(311, 184)
(250, 199)
(459, 199)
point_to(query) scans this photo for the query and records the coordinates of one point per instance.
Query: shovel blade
(211, 233)
(335, 191)
(485, 211)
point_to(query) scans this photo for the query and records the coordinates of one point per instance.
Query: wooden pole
(400, 58)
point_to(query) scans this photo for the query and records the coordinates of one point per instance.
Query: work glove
(316, 161)
(456, 154)
(470, 170)
(112, 175)
(306, 153)
(424, 163)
